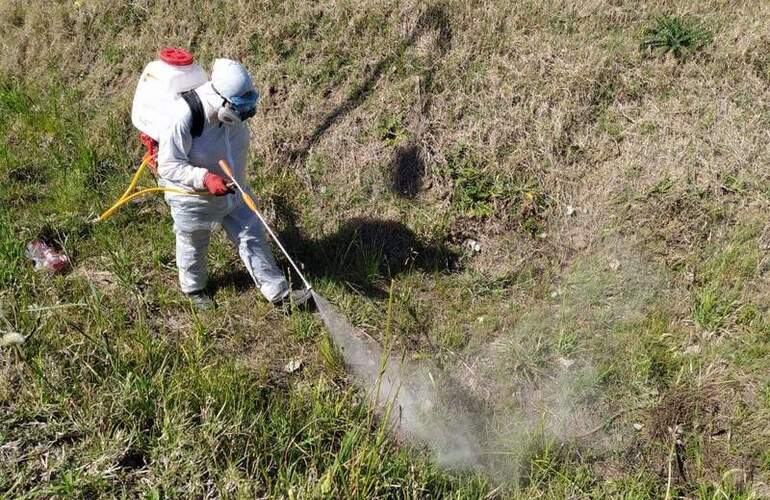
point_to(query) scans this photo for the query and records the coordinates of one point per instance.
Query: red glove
(216, 184)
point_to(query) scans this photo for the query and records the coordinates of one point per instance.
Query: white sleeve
(173, 161)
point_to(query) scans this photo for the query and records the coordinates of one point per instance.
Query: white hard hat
(230, 78)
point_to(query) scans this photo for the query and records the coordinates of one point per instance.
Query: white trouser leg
(246, 232)
(191, 248)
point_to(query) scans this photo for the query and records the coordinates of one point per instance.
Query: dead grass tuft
(687, 408)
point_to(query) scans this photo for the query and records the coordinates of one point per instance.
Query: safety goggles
(245, 104)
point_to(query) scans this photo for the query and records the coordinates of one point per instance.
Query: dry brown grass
(552, 90)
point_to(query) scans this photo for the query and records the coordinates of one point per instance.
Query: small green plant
(409, 316)
(12, 100)
(679, 35)
(303, 325)
(451, 337)
(330, 356)
(712, 307)
(475, 190)
(479, 191)
(390, 130)
(368, 262)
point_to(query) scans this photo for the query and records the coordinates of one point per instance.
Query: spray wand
(253, 206)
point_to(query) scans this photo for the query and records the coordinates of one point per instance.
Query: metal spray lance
(250, 203)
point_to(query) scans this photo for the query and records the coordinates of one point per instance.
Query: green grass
(475, 192)
(722, 279)
(479, 194)
(192, 416)
(644, 309)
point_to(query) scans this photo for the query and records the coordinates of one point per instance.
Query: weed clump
(475, 192)
(479, 193)
(681, 36)
(390, 130)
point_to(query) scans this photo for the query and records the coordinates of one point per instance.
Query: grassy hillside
(562, 203)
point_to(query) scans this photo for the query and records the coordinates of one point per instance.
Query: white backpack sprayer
(162, 81)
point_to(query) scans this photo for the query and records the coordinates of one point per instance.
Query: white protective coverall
(182, 164)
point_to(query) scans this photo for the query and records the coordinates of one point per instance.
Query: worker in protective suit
(191, 163)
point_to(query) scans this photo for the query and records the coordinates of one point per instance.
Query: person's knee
(250, 240)
(196, 238)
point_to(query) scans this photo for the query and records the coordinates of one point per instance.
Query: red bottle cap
(176, 57)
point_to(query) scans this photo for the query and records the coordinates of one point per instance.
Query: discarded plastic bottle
(46, 258)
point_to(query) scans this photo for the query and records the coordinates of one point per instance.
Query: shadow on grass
(434, 18)
(407, 172)
(364, 253)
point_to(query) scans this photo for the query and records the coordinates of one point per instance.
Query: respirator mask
(237, 109)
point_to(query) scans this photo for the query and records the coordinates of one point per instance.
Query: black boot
(301, 299)
(201, 300)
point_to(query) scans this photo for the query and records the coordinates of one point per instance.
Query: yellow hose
(129, 195)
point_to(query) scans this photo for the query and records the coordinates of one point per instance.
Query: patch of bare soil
(93, 271)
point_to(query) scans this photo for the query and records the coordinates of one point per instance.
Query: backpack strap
(196, 108)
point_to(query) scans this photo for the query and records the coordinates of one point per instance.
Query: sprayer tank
(161, 82)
